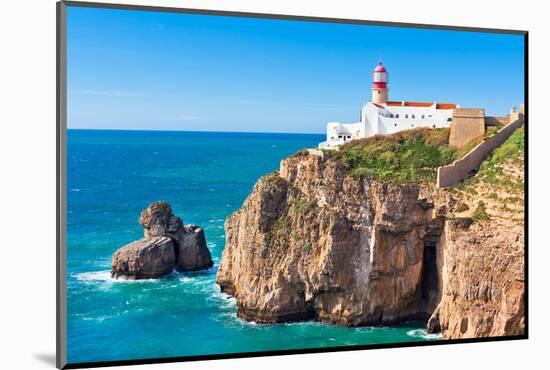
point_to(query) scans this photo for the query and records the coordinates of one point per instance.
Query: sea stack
(167, 244)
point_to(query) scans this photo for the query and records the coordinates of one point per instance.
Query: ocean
(205, 176)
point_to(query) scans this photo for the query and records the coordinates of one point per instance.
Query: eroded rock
(191, 250)
(144, 259)
(313, 242)
(166, 244)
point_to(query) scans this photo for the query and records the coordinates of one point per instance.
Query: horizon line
(176, 130)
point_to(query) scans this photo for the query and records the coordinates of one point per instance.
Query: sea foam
(422, 333)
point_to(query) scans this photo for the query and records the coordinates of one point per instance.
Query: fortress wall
(497, 120)
(468, 124)
(462, 168)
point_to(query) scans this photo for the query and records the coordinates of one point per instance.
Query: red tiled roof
(445, 106)
(420, 104)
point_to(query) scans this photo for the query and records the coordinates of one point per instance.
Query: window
(395, 124)
(349, 137)
(423, 116)
(433, 126)
(332, 138)
(430, 116)
(397, 116)
(339, 136)
(391, 115)
(406, 116)
(412, 116)
(449, 119)
(412, 125)
(378, 91)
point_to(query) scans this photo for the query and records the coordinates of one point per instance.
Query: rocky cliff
(483, 290)
(314, 242)
(483, 281)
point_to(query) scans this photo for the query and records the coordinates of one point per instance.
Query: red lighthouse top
(379, 77)
(380, 68)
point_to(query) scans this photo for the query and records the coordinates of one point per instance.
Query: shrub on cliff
(480, 213)
(406, 156)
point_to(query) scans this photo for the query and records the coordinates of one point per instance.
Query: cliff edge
(316, 240)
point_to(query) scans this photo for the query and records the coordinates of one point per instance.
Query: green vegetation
(300, 153)
(512, 149)
(515, 200)
(304, 206)
(491, 131)
(480, 213)
(462, 151)
(461, 207)
(273, 179)
(406, 156)
(282, 224)
(307, 247)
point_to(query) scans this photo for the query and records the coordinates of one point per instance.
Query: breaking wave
(422, 333)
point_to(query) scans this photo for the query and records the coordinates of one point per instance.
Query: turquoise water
(112, 175)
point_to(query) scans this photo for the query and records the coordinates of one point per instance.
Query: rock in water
(192, 252)
(144, 259)
(158, 220)
(166, 244)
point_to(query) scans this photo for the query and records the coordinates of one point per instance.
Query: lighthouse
(380, 116)
(380, 85)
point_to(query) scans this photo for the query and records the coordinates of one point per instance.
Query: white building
(381, 117)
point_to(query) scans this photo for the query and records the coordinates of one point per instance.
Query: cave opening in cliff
(429, 272)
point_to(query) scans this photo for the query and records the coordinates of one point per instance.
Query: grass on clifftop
(511, 150)
(406, 156)
(496, 192)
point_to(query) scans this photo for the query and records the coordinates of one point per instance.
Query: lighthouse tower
(380, 85)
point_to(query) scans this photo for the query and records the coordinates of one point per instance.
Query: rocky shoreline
(167, 244)
(314, 242)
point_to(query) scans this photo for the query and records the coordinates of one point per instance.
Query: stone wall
(468, 124)
(497, 120)
(460, 169)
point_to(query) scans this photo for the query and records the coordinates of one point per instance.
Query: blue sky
(168, 71)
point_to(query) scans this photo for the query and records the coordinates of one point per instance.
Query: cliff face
(483, 291)
(311, 241)
(483, 281)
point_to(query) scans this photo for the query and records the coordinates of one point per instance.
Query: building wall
(340, 133)
(384, 121)
(468, 124)
(461, 169)
(403, 118)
